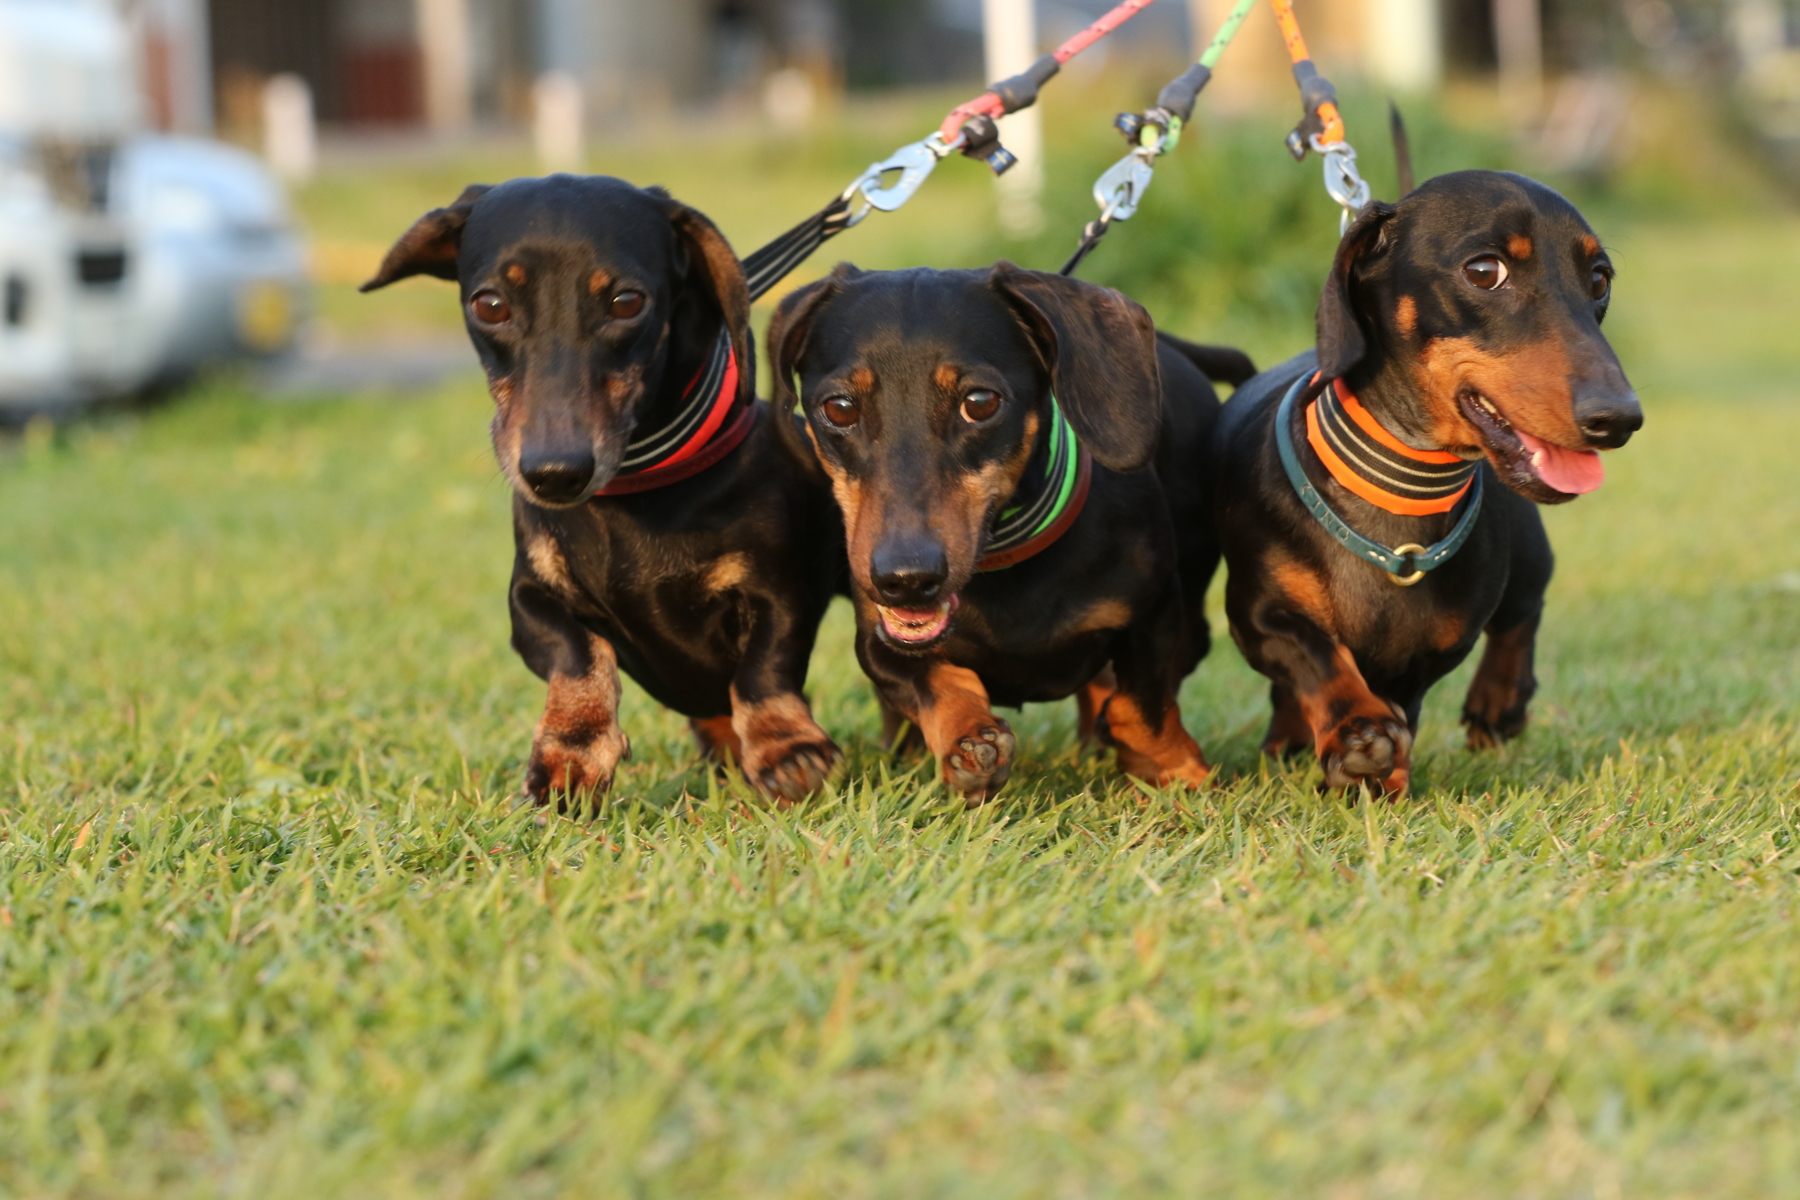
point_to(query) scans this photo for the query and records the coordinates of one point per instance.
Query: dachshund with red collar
(1375, 498)
(1013, 454)
(660, 525)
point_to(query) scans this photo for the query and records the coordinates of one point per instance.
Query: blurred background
(186, 182)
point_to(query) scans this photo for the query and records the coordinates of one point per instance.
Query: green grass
(272, 926)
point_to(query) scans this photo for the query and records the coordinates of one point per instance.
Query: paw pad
(982, 760)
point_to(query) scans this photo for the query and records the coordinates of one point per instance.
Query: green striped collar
(1041, 502)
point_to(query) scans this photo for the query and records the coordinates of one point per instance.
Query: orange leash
(1316, 93)
(1321, 128)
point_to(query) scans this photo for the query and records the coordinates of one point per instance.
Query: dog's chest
(1395, 629)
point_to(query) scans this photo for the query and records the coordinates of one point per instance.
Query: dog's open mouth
(1528, 463)
(916, 627)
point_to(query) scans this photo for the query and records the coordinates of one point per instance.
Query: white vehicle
(221, 271)
(126, 260)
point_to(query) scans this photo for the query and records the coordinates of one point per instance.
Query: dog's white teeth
(1487, 406)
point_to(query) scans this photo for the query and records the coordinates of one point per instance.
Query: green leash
(1152, 133)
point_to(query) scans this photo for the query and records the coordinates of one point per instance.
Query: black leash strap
(1091, 233)
(765, 268)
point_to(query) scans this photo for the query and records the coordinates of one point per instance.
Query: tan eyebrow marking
(1406, 316)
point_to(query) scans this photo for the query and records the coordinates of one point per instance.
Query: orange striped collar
(1370, 462)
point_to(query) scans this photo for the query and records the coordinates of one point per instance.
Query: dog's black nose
(1608, 421)
(557, 475)
(908, 571)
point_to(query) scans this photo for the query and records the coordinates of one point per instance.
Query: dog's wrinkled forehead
(895, 321)
(1465, 212)
(592, 220)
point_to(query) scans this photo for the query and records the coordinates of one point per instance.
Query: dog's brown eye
(626, 305)
(490, 307)
(842, 411)
(979, 405)
(1486, 272)
(1600, 282)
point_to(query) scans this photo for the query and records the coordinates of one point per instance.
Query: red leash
(1010, 95)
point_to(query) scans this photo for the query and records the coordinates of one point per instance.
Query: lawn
(272, 924)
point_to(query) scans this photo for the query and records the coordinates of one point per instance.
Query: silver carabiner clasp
(1120, 189)
(915, 162)
(1342, 180)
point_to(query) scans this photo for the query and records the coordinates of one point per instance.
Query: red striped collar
(698, 436)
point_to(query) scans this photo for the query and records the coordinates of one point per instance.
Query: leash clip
(1342, 180)
(914, 161)
(1120, 189)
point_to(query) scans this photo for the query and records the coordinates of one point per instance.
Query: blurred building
(446, 64)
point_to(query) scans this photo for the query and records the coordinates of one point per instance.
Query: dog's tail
(1402, 149)
(1225, 364)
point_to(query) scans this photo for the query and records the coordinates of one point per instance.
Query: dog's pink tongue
(1572, 471)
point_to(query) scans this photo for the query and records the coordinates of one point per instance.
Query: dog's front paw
(786, 756)
(569, 768)
(794, 772)
(1368, 749)
(979, 760)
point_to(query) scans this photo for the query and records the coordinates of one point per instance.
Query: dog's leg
(1090, 702)
(1496, 708)
(1359, 737)
(577, 744)
(1153, 744)
(899, 732)
(1289, 733)
(717, 740)
(783, 751)
(974, 748)
(1143, 718)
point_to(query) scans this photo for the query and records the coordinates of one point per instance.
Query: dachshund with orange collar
(1375, 498)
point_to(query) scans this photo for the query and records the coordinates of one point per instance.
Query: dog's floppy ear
(430, 246)
(1100, 349)
(713, 266)
(788, 331)
(1342, 342)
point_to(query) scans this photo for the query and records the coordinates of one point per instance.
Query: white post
(444, 50)
(1405, 43)
(1009, 39)
(789, 99)
(1519, 46)
(290, 137)
(556, 102)
(1758, 29)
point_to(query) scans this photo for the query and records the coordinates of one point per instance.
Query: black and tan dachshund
(1374, 498)
(660, 526)
(1014, 456)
